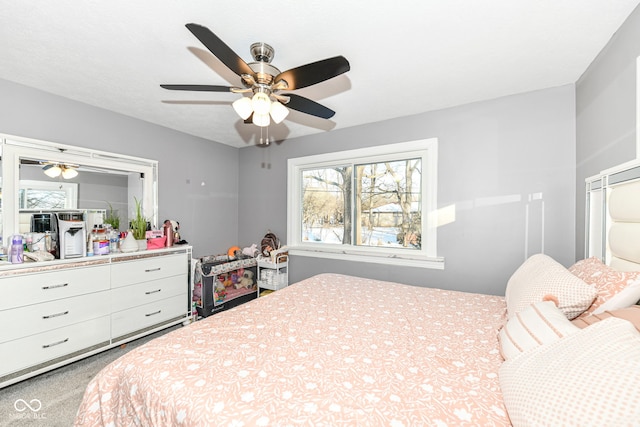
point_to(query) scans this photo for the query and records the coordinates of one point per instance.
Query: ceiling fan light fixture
(278, 112)
(261, 120)
(243, 107)
(68, 173)
(261, 103)
(52, 171)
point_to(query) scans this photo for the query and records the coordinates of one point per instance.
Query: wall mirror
(98, 181)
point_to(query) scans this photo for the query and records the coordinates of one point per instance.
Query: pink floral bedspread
(328, 351)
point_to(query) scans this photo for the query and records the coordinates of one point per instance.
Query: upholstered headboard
(613, 217)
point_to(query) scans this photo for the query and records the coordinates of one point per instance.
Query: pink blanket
(330, 350)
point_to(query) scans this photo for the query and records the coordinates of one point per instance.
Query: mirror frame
(15, 148)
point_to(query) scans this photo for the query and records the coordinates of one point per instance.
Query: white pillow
(623, 299)
(541, 323)
(541, 275)
(589, 378)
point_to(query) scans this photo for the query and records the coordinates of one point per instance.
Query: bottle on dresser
(16, 250)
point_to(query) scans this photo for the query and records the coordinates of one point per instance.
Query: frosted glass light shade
(53, 171)
(243, 107)
(261, 103)
(68, 173)
(261, 120)
(278, 112)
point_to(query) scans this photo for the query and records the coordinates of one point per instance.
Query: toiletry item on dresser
(168, 232)
(16, 249)
(100, 241)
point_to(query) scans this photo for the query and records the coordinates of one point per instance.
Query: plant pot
(142, 244)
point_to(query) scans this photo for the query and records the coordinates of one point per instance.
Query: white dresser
(57, 312)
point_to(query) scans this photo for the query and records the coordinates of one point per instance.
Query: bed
(562, 347)
(330, 350)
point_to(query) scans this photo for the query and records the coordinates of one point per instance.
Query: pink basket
(156, 243)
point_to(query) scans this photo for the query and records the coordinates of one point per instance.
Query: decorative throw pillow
(630, 314)
(590, 378)
(541, 275)
(609, 283)
(541, 323)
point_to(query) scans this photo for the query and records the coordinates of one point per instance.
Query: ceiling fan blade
(202, 88)
(315, 72)
(221, 51)
(307, 106)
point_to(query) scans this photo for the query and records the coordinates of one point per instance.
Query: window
(376, 204)
(38, 195)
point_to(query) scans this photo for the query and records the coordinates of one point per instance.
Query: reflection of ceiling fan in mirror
(263, 81)
(54, 170)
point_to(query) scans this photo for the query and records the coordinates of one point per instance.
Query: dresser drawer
(144, 316)
(46, 346)
(27, 289)
(148, 292)
(126, 273)
(42, 317)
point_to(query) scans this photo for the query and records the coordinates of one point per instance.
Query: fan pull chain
(264, 141)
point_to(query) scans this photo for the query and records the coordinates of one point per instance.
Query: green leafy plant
(112, 218)
(139, 222)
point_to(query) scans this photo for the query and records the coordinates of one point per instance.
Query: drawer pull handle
(149, 270)
(55, 315)
(55, 343)
(153, 314)
(152, 292)
(61, 285)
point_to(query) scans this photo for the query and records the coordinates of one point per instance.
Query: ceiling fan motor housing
(262, 52)
(264, 73)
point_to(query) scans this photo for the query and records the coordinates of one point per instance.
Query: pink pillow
(607, 281)
(631, 314)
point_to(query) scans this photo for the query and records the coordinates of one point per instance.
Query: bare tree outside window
(42, 199)
(326, 205)
(47, 195)
(379, 206)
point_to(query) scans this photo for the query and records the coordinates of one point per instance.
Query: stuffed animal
(247, 279)
(251, 251)
(220, 284)
(226, 280)
(175, 226)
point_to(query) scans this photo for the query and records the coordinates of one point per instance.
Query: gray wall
(492, 156)
(606, 113)
(208, 214)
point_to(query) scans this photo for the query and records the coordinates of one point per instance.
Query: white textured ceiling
(406, 56)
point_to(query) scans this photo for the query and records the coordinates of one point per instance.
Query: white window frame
(426, 257)
(70, 189)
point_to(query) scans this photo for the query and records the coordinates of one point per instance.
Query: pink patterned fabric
(608, 281)
(330, 350)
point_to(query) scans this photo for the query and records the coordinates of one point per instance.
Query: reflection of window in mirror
(38, 195)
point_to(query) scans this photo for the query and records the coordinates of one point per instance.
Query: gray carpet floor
(59, 391)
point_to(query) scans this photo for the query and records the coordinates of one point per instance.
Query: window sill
(362, 256)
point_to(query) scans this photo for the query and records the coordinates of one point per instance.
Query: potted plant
(139, 226)
(112, 218)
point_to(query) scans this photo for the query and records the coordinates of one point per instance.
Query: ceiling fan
(264, 81)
